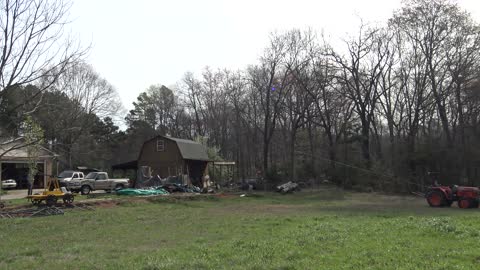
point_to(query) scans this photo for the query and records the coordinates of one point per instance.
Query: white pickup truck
(66, 176)
(97, 181)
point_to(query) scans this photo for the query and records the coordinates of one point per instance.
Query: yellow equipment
(51, 193)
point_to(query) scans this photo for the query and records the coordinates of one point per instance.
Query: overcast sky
(139, 43)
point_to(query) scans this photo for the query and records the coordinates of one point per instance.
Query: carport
(14, 164)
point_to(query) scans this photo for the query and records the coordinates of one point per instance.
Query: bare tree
(271, 79)
(34, 139)
(91, 96)
(34, 47)
(191, 90)
(360, 72)
(436, 28)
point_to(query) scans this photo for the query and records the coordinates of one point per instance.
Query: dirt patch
(225, 195)
(288, 205)
(105, 204)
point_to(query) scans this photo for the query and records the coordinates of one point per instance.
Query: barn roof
(190, 149)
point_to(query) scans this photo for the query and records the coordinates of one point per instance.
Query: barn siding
(165, 163)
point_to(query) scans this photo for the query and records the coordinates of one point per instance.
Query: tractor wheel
(474, 203)
(36, 202)
(464, 203)
(68, 198)
(85, 190)
(51, 200)
(436, 198)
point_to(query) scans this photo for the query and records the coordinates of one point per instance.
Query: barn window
(160, 146)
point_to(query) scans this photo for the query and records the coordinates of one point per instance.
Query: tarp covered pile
(144, 192)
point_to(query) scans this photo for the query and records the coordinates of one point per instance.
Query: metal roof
(190, 149)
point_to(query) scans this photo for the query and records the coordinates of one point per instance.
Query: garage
(14, 162)
(18, 171)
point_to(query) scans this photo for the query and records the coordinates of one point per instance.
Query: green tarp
(137, 192)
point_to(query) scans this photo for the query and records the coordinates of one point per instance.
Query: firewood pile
(288, 187)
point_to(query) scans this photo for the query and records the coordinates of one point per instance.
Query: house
(167, 156)
(14, 163)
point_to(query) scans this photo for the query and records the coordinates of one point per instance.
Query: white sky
(139, 43)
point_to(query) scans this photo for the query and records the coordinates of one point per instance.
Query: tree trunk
(440, 107)
(292, 155)
(366, 143)
(311, 141)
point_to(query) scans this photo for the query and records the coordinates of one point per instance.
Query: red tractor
(441, 196)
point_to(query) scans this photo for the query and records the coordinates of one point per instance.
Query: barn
(167, 156)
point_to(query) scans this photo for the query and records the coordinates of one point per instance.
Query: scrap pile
(181, 188)
(158, 186)
(155, 181)
(32, 212)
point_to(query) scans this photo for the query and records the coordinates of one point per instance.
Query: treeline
(390, 104)
(75, 114)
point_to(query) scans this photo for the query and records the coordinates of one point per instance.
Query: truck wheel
(119, 186)
(85, 190)
(436, 198)
(51, 200)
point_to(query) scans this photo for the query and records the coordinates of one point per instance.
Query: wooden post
(188, 173)
(213, 172)
(45, 173)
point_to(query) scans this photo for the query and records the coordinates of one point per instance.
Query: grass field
(326, 229)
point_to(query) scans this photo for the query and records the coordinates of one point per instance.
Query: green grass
(307, 230)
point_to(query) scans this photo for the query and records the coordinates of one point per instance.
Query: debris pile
(159, 190)
(154, 181)
(173, 187)
(171, 184)
(288, 187)
(42, 211)
(32, 212)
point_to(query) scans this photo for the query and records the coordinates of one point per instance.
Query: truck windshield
(65, 174)
(91, 175)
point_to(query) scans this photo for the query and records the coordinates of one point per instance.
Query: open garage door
(18, 171)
